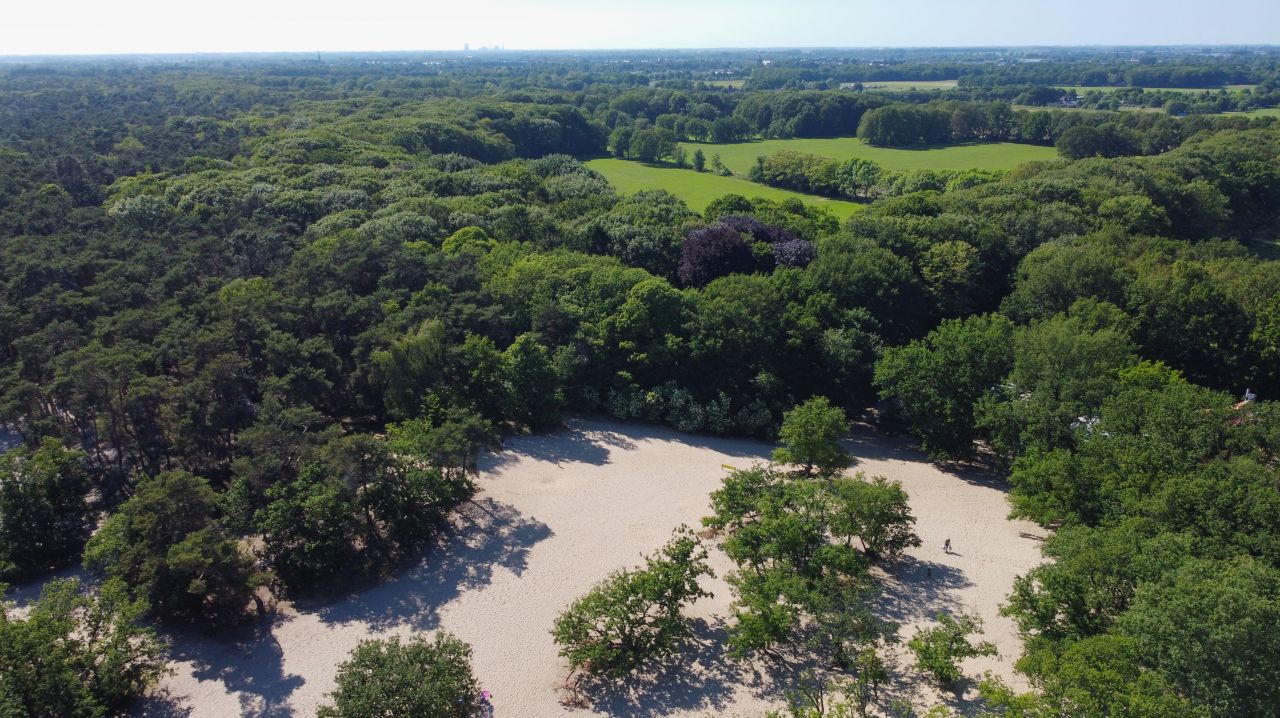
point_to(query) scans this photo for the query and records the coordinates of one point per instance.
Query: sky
(157, 26)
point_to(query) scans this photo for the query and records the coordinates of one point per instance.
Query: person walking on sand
(946, 546)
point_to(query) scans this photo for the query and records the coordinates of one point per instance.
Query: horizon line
(501, 50)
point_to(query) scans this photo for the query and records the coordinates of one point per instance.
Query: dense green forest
(257, 317)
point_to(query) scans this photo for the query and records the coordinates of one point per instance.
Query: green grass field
(739, 157)
(1193, 90)
(911, 85)
(697, 189)
(1263, 112)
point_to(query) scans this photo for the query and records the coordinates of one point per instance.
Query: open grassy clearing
(739, 157)
(1261, 112)
(555, 513)
(698, 189)
(726, 83)
(911, 85)
(1081, 89)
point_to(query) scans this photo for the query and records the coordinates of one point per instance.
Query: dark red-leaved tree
(712, 252)
(794, 253)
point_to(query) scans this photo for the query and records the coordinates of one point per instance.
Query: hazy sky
(110, 26)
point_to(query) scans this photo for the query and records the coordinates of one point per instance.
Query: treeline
(994, 68)
(903, 125)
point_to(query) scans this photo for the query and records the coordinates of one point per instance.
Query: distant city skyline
(161, 26)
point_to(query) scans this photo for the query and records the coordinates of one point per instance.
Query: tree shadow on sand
(162, 704)
(864, 442)
(249, 662)
(486, 535)
(572, 445)
(592, 441)
(701, 677)
(914, 589)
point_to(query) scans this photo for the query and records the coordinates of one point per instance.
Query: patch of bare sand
(554, 515)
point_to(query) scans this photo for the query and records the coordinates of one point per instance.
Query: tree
(811, 434)
(712, 252)
(76, 655)
(699, 160)
(532, 383)
(791, 574)
(308, 529)
(165, 545)
(411, 367)
(1096, 676)
(44, 519)
(387, 677)
(634, 617)
(938, 649)
(936, 381)
(1063, 368)
(1227, 659)
(856, 177)
(876, 512)
(717, 165)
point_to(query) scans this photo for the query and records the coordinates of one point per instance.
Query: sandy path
(554, 515)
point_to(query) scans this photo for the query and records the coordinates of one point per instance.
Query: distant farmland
(697, 189)
(911, 85)
(1082, 89)
(739, 157)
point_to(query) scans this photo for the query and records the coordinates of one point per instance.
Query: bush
(419, 678)
(939, 649)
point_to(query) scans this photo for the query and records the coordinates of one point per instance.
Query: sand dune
(555, 514)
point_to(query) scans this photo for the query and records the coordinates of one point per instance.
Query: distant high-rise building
(466, 47)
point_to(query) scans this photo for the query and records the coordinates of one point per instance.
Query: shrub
(939, 649)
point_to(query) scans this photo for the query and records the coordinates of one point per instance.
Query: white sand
(554, 515)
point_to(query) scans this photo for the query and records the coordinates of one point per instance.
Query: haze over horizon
(150, 26)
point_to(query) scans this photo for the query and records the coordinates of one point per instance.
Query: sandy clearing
(555, 514)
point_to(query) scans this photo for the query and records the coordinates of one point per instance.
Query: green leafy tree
(44, 519)
(811, 434)
(634, 617)
(1210, 631)
(936, 381)
(308, 529)
(939, 649)
(856, 177)
(534, 385)
(77, 655)
(876, 512)
(166, 546)
(699, 160)
(387, 677)
(791, 574)
(1096, 676)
